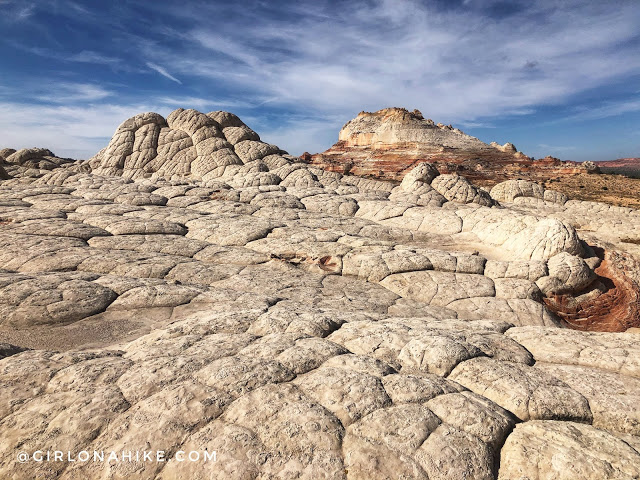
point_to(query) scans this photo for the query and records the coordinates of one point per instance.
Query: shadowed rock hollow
(191, 287)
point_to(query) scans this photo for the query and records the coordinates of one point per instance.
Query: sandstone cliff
(388, 143)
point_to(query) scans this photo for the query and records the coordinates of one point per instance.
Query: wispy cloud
(557, 148)
(609, 109)
(65, 93)
(163, 72)
(300, 70)
(202, 103)
(55, 92)
(17, 10)
(298, 133)
(88, 56)
(454, 64)
(24, 12)
(472, 124)
(84, 56)
(73, 131)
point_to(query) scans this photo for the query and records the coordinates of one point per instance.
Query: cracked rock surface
(193, 288)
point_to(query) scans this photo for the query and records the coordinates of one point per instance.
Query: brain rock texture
(191, 287)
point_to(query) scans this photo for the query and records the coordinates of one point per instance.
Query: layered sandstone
(194, 288)
(386, 144)
(622, 163)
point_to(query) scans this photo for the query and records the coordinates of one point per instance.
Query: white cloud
(453, 64)
(298, 135)
(201, 103)
(69, 131)
(25, 12)
(456, 66)
(557, 148)
(88, 56)
(325, 64)
(609, 109)
(84, 56)
(162, 72)
(72, 93)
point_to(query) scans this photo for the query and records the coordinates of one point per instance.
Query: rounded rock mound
(188, 144)
(511, 189)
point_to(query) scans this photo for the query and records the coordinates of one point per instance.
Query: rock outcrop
(192, 288)
(191, 145)
(511, 189)
(388, 143)
(32, 162)
(5, 152)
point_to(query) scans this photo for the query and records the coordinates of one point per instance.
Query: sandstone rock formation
(388, 143)
(32, 162)
(624, 166)
(5, 152)
(193, 288)
(606, 293)
(511, 189)
(591, 167)
(190, 144)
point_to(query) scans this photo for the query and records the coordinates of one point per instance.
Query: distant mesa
(621, 162)
(388, 143)
(623, 166)
(393, 128)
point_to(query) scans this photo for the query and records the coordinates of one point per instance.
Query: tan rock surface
(200, 289)
(563, 450)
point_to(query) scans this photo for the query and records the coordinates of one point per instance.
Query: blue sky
(557, 77)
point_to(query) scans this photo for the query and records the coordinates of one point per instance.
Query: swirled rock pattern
(605, 290)
(201, 290)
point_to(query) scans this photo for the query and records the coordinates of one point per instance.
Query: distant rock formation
(507, 147)
(622, 166)
(386, 144)
(32, 162)
(591, 167)
(621, 162)
(393, 128)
